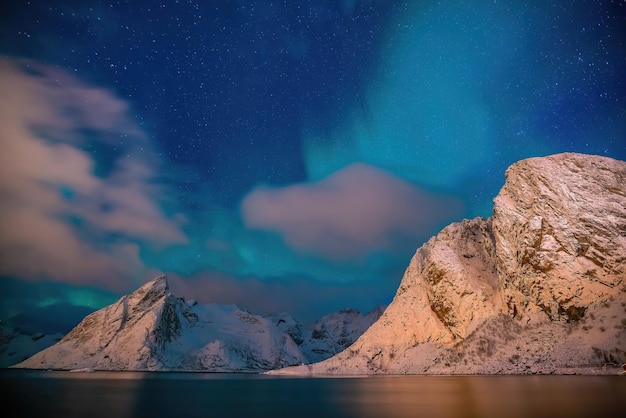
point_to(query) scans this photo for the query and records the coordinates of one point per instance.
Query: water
(130, 394)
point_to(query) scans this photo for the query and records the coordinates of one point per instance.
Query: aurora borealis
(282, 156)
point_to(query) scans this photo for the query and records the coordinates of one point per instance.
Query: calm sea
(152, 395)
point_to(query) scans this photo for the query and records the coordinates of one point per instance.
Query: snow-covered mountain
(17, 346)
(328, 335)
(151, 329)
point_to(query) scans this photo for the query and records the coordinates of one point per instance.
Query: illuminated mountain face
(536, 288)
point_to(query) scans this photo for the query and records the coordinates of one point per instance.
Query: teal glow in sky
(282, 156)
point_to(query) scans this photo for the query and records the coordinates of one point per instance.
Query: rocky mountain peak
(150, 293)
(158, 286)
(543, 279)
(151, 329)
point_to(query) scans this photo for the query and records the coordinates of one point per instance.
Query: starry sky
(278, 155)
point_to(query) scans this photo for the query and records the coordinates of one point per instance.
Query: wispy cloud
(356, 211)
(61, 217)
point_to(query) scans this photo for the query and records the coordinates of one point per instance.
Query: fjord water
(130, 394)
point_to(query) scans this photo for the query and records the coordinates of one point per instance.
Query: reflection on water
(125, 394)
(491, 396)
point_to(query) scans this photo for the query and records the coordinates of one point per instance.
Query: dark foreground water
(128, 394)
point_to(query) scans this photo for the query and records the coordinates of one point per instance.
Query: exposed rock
(560, 229)
(538, 287)
(448, 288)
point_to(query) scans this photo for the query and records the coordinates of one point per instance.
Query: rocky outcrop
(449, 287)
(538, 287)
(560, 229)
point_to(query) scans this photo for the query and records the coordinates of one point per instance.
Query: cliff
(539, 287)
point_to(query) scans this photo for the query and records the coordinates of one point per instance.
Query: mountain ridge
(153, 330)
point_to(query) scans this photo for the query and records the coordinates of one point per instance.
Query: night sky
(278, 155)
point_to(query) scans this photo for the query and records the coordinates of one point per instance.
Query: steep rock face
(449, 287)
(538, 287)
(560, 230)
(154, 330)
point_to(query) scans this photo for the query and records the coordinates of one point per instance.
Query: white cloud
(354, 212)
(44, 113)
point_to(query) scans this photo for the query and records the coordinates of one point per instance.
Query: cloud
(354, 212)
(63, 217)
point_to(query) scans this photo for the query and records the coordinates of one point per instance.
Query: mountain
(328, 335)
(151, 329)
(17, 345)
(539, 287)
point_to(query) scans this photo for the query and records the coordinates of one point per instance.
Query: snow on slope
(15, 346)
(329, 335)
(334, 333)
(153, 330)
